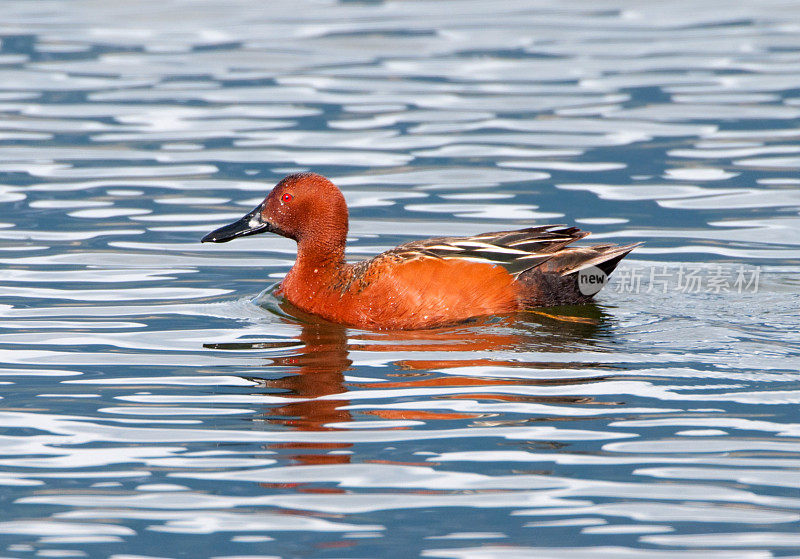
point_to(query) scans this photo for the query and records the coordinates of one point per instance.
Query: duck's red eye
(286, 197)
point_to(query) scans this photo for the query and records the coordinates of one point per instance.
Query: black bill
(251, 224)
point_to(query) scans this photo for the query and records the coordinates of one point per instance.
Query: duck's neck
(319, 263)
(320, 255)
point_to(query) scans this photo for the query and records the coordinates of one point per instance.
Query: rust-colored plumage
(421, 284)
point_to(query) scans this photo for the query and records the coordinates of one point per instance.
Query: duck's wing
(517, 251)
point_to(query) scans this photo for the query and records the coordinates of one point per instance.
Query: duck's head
(303, 207)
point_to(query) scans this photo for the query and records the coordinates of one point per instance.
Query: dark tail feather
(555, 282)
(615, 257)
(573, 259)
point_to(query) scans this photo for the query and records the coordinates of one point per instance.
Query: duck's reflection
(316, 369)
(313, 369)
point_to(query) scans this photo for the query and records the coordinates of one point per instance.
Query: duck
(422, 284)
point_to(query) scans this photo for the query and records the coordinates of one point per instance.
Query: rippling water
(158, 401)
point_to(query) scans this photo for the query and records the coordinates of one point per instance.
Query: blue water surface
(159, 401)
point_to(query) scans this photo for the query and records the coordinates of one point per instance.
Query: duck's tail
(571, 276)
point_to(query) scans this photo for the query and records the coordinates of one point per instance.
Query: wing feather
(516, 251)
